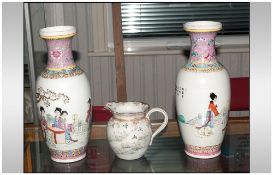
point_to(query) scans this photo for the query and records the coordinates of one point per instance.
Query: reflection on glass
(33, 65)
(79, 166)
(28, 111)
(204, 165)
(99, 156)
(166, 155)
(138, 165)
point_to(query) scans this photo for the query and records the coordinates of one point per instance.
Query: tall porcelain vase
(63, 98)
(202, 93)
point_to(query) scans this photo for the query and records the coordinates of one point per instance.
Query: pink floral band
(203, 46)
(60, 53)
(203, 151)
(68, 154)
(203, 55)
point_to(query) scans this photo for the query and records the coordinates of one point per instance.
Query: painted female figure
(68, 137)
(58, 112)
(61, 119)
(213, 112)
(67, 127)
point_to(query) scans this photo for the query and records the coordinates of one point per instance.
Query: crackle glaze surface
(202, 98)
(129, 139)
(64, 103)
(129, 130)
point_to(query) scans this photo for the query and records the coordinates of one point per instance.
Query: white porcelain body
(197, 88)
(202, 93)
(129, 130)
(63, 98)
(77, 89)
(129, 139)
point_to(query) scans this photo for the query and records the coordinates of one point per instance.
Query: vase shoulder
(76, 84)
(71, 71)
(196, 66)
(203, 80)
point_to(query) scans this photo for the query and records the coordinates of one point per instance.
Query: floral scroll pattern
(68, 154)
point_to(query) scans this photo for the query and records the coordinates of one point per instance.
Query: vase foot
(203, 156)
(69, 160)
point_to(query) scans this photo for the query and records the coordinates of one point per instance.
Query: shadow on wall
(186, 53)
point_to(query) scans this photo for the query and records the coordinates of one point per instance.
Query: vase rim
(57, 32)
(202, 26)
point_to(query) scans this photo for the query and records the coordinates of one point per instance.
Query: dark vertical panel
(118, 43)
(113, 77)
(129, 77)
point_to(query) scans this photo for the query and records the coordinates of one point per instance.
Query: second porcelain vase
(63, 98)
(202, 93)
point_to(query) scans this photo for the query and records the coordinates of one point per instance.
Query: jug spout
(111, 106)
(127, 107)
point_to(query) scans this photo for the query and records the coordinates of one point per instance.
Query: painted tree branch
(48, 95)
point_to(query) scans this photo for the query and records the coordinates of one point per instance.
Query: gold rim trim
(202, 30)
(205, 70)
(59, 36)
(59, 74)
(129, 119)
(68, 67)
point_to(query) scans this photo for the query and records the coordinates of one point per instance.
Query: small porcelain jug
(129, 130)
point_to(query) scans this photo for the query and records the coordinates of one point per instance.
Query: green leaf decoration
(194, 53)
(181, 118)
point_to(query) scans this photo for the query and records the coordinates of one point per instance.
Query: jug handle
(162, 126)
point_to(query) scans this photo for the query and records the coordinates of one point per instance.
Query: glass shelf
(165, 155)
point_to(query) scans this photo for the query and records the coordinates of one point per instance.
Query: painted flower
(56, 53)
(203, 49)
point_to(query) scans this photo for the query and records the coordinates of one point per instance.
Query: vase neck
(202, 47)
(60, 53)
